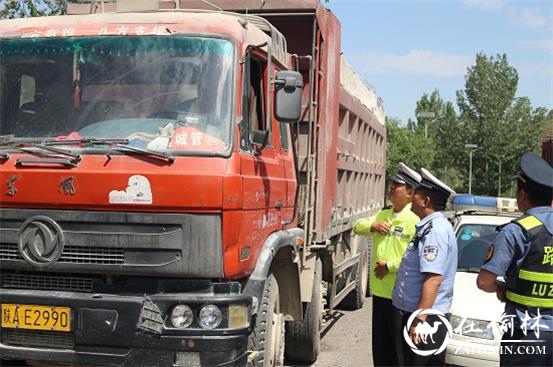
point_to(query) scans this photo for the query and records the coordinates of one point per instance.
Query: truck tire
(267, 339)
(356, 298)
(303, 338)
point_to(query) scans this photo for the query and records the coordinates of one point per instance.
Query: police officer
(523, 253)
(391, 230)
(425, 277)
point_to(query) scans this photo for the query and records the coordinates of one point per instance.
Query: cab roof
(247, 29)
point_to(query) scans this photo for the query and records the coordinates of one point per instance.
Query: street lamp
(425, 114)
(472, 148)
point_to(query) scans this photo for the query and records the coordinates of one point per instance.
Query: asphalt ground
(346, 339)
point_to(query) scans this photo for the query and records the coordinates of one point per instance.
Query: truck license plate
(33, 317)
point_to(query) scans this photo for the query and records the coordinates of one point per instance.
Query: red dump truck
(179, 182)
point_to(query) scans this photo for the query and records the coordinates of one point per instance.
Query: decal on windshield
(138, 191)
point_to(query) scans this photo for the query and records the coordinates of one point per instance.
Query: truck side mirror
(288, 94)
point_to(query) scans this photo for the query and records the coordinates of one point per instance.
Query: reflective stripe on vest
(535, 276)
(532, 285)
(529, 301)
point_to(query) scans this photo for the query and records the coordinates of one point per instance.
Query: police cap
(535, 172)
(407, 176)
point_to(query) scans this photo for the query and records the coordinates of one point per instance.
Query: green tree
(10, 9)
(443, 136)
(502, 125)
(31, 8)
(407, 146)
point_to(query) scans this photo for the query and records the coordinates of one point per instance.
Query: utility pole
(424, 114)
(472, 148)
(499, 183)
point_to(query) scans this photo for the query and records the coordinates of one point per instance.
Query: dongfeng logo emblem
(40, 241)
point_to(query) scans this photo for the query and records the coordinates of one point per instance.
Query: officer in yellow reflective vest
(391, 230)
(523, 253)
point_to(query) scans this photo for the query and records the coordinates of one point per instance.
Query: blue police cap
(536, 172)
(406, 176)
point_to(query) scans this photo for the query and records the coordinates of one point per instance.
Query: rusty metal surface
(349, 142)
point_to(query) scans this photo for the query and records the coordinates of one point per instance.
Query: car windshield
(160, 93)
(473, 241)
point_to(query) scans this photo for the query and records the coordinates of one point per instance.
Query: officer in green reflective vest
(523, 253)
(391, 230)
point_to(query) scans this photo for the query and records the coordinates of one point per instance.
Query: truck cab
(178, 183)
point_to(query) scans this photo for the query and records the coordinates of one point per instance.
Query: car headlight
(210, 317)
(182, 316)
(471, 327)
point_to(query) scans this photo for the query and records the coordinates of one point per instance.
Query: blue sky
(406, 48)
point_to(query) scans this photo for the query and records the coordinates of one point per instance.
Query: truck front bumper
(127, 330)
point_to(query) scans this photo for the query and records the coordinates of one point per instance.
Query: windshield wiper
(27, 148)
(88, 141)
(153, 153)
(57, 151)
(46, 160)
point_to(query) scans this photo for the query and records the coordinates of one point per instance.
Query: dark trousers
(384, 353)
(405, 356)
(529, 353)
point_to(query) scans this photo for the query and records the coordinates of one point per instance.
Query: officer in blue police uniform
(426, 275)
(523, 253)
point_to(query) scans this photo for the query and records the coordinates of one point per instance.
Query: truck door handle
(278, 204)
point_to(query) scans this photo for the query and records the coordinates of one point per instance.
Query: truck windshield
(160, 93)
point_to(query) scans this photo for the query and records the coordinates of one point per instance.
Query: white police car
(474, 313)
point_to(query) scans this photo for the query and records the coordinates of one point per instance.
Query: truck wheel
(267, 338)
(356, 298)
(303, 338)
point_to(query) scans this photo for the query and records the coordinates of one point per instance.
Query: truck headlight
(182, 316)
(472, 327)
(210, 317)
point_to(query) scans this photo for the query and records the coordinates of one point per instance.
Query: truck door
(262, 168)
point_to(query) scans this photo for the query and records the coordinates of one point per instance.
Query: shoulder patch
(489, 253)
(430, 252)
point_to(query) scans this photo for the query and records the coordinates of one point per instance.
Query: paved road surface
(346, 339)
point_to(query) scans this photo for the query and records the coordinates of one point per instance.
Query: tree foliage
(490, 115)
(11, 9)
(408, 146)
(502, 125)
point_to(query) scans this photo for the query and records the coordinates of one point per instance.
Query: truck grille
(38, 338)
(129, 243)
(73, 254)
(47, 282)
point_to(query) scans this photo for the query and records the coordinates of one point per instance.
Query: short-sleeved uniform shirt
(510, 249)
(435, 253)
